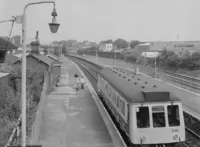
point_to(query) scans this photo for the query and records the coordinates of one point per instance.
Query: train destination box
(155, 95)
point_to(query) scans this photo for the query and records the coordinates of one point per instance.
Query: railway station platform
(70, 118)
(191, 101)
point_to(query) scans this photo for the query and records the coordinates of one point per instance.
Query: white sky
(96, 20)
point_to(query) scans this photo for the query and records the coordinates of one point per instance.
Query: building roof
(50, 55)
(42, 58)
(171, 46)
(3, 42)
(144, 44)
(136, 93)
(3, 74)
(11, 58)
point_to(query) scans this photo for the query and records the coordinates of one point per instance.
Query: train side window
(120, 104)
(112, 94)
(109, 91)
(117, 101)
(158, 113)
(113, 99)
(142, 114)
(123, 107)
(173, 115)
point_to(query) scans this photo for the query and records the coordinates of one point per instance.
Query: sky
(96, 20)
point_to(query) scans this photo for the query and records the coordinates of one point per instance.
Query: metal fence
(183, 81)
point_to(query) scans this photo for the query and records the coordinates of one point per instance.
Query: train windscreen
(142, 114)
(158, 114)
(173, 115)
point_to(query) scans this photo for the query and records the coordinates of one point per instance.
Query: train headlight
(175, 137)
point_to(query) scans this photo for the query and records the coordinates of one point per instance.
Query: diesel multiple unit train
(149, 116)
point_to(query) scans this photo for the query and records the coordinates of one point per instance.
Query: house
(106, 47)
(35, 61)
(178, 47)
(40, 63)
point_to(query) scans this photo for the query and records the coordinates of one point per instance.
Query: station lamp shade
(54, 25)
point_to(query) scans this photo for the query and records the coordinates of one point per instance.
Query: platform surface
(191, 101)
(71, 119)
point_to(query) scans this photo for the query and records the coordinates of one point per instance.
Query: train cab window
(158, 113)
(173, 115)
(142, 114)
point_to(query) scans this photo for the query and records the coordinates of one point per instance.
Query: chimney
(35, 45)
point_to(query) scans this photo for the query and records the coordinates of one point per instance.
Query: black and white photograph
(99, 73)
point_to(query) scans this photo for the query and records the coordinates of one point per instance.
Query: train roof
(134, 89)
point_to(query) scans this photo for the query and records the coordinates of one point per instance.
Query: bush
(131, 58)
(10, 105)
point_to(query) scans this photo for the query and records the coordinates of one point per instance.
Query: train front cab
(157, 124)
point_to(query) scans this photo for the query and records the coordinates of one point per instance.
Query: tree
(121, 43)
(133, 43)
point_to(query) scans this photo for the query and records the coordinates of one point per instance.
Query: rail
(184, 83)
(193, 138)
(181, 75)
(114, 132)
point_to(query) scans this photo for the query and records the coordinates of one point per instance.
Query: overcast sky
(96, 20)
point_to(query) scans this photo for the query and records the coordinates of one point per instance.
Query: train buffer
(71, 118)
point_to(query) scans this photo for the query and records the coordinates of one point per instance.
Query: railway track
(192, 124)
(91, 74)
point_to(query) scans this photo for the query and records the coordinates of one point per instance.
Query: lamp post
(54, 28)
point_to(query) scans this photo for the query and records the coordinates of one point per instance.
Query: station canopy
(10, 46)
